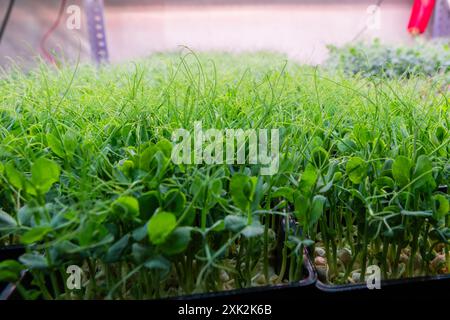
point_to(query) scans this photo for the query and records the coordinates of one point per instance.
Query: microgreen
(86, 176)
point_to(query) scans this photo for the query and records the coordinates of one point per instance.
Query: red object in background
(420, 16)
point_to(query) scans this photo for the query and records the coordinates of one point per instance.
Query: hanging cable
(44, 39)
(6, 18)
(364, 29)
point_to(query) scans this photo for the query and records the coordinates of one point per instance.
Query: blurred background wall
(299, 28)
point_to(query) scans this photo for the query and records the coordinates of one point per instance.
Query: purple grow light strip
(96, 30)
(441, 23)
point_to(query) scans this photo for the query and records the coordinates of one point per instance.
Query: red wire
(43, 41)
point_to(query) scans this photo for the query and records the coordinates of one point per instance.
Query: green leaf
(308, 180)
(356, 169)
(34, 235)
(253, 230)
(283, 192)
(346, 145)
(319, 157)
(158, 167)
(215, 187)
(65, 248)
(423, 175)
(440, 134)
(160, 226)
(337, 177)
(258, 192)
(196, 187)
(148, 203)
(24, 215)
(235, 223)
(15, 177)
(10, 271)
(44, 173)
(2, 168)
(30, 188)
(174, 201)
(318, 203)
(177, 241)
(70, 143)
(242, 189)
(126, 207)
(146, 157)
(326, 188)
(55, 145)
(6, 221)
(301, 206)
(401, 170)
(116, 251)
(386, 171)
(126, 167)
(442, 206)
(189, 218)
(384, 182)
(141, 252)
(362, 134)
(158, 263)
(165, 147)
(139, 233)
(34, 261)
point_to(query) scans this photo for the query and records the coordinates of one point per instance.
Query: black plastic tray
(298, 289)
(427, 287)
(281, 291)
(11, 252)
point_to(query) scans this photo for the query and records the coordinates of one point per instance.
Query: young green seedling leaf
(15, 177)
(70, 141)
(423, 175)
(384, 183)
(177, 241)
(44, 173)
(301, 206)
(125, 207)
(10, 271)
(356, 169)
(235, 223)
(318, 203)
(165, 146)
(116, 251)
(6, 221)
(319, 157)
(215, 191)
(283, 192)
(126, 167)
(442, 206)
(174, 201)
(34, 235)
(158, 263)
(148, 203)
(33, 261)
(242, 189)
(254, 230)
(55, 145)
(160, 226)
(401, 170)
(308, 180)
